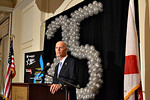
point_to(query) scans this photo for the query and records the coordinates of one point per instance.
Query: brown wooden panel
(19, 93)
(30, 91)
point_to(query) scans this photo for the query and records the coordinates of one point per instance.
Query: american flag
(10, 73)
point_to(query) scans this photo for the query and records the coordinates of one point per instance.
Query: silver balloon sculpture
(70, 34)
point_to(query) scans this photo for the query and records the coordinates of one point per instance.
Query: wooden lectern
(34, 91)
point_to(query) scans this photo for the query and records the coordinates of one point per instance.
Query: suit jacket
(69, 73)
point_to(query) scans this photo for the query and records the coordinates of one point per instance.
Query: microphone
(67, 78)
(47, 65)
(70, 80)
(67, 83)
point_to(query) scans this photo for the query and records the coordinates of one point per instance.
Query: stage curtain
(106, 31)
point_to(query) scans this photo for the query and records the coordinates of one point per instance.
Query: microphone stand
(67, 83)
(47, 65)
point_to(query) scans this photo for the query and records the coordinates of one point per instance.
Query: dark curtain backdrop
(107, 32)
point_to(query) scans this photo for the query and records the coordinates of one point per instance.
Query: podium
(36, 91)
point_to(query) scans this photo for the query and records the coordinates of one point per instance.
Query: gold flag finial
(11, 37)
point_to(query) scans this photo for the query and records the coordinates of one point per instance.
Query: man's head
(61, 49)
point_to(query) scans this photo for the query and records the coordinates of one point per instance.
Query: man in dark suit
(65, 70)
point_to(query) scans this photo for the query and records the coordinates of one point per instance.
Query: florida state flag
(132, 79)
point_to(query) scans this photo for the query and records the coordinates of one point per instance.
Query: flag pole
(11, 41)
(12, 36)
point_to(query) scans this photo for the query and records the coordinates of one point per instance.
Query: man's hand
(54, 88)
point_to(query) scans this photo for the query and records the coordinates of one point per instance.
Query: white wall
(144, 23)
(26, 27)
(4, 50)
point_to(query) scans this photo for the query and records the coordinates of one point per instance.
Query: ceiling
(3, 16)
(5, 6)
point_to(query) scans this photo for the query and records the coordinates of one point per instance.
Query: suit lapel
(64, 65)
(56, 70)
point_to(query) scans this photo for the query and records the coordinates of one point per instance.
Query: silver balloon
(70, 34)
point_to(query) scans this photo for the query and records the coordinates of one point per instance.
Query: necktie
(59, 68)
